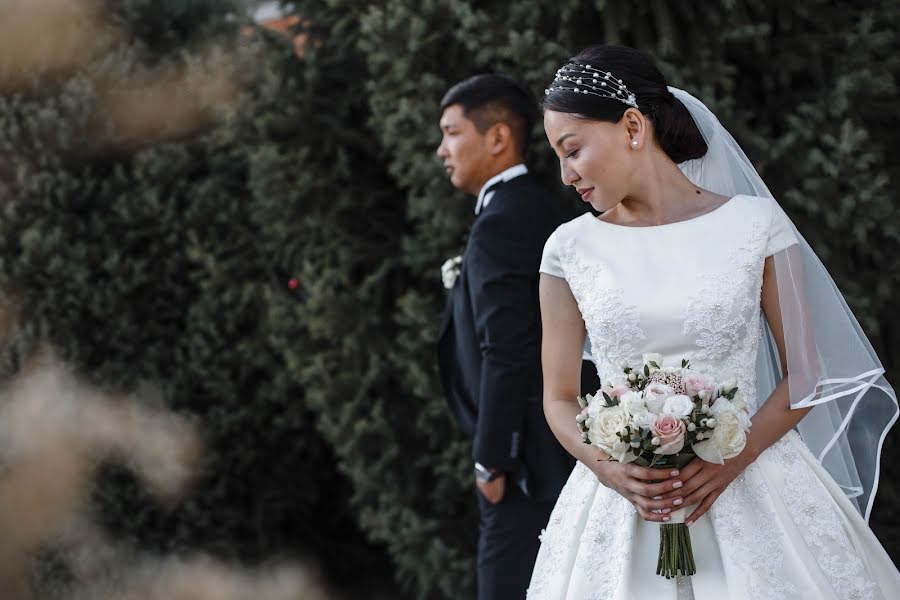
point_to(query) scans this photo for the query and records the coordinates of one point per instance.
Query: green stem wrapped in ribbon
(676, 555)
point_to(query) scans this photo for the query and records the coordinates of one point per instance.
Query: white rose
(655, 396)
(644, 420)
(721, 405)
(632, 402)
(678, 406)
(729, 435)
(603, 429)
(726, 441)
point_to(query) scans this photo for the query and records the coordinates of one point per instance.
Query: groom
(489, 348)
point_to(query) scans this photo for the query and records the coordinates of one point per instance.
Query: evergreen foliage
(166, 260)
(793, 83)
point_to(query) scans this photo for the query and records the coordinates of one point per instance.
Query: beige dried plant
(54, 430)
(42, 39)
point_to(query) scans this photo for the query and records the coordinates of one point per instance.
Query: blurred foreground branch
(54, 430)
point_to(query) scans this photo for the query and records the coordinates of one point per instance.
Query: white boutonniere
(450, 271)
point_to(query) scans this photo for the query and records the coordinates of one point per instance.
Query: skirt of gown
(782, 529)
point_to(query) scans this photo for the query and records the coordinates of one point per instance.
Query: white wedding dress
(783, 528)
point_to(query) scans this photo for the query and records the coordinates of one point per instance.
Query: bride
(693, 258)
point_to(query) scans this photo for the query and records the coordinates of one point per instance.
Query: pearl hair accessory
(585, 79)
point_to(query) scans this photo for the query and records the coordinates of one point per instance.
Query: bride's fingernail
(689, 523)
(675, 473)
(677, 485)
(666, 511)
(657, 497)
(665, 518)
(677, 502)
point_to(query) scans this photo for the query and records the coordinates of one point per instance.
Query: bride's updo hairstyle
(628, 78)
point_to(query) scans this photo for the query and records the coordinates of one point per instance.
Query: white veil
(830, 364)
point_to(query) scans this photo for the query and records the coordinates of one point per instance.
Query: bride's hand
(704, 482)
(633, 483)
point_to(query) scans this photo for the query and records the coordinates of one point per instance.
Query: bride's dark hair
(674, 128)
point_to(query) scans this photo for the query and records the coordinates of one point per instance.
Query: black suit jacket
(489, 348)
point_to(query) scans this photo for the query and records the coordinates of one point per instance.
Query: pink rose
(694, 383)
(670, 431)
(619, 390)
(616, 391)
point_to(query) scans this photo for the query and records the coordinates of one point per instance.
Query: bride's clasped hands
(653, 492)
(657, 492)
(704, 482)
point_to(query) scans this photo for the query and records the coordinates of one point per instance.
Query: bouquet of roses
(662, 417)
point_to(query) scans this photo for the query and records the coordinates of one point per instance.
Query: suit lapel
(453, 293)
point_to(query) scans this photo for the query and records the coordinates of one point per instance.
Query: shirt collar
(504, 176)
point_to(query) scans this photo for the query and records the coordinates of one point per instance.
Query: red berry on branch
(293, 284)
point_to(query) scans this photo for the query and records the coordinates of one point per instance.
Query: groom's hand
(492, 490)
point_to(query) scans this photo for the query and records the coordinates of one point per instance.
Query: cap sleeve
(550, 262)
(781, 231)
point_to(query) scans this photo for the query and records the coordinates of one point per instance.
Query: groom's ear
(499, 138)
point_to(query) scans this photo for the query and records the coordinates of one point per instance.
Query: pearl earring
(634, 144)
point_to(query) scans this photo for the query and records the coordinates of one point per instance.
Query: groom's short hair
(494, 98)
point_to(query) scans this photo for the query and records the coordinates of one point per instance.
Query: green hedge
(169, 262)
(796, 84)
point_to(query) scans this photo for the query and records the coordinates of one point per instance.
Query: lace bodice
(685, 290)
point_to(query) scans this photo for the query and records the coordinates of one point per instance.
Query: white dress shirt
(486, 193)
